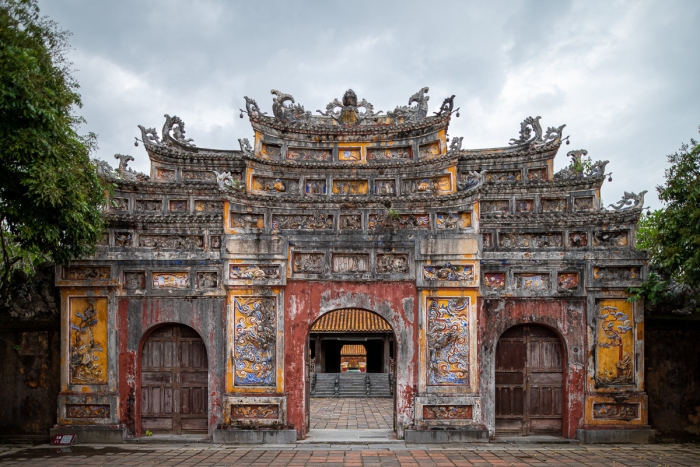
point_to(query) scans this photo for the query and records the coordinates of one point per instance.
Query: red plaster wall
(303, 304)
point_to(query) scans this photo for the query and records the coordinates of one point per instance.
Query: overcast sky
(623, 76)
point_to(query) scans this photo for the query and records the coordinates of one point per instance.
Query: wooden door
(174, 386)
(529, 381)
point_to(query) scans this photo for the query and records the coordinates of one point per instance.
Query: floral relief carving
(316, 221)
(171, 280)
(135, 280)
(449, 272)
(88, 340)
(302, 154)
(498, 205)
(553, 205)
(398, 221)
(120, 204)
(255, 333)
(255, 411)
(254, 271)
(87, 411)
(567, 280)
(350, 222)
(388, 153)
(447, 412)
(610, 238)
(308, 263)
(615, 342)
(495, 280)
(530, 240)
(81, 273)
(617, 273)
(177, 242)
(191, 175)
(389, 263)
(448, 341)
(205, 205)
(148, 205)
(613, 411)
(453, 220)
(247, 221)
(207, 280)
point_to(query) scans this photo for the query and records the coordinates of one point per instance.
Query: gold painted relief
(88, 340)
(428, 151)
(349, 154)
(448, 341)
(350, 187)
(614, 343)
(439, 184)
(255, 338)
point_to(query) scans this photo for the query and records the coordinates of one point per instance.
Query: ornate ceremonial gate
(366, 210)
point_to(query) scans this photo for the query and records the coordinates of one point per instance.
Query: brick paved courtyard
(350, 455)
(352, 413)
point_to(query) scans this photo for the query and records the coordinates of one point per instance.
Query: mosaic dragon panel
(254, 341)
(448, 341)
(88, 340)
(615, 343)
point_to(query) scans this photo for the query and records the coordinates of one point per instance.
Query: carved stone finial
(122, 172)
(245, 146)
(287, 113)
(630, 201)
(123, 161)
(252, 107)
(456, 144)
(349, 113)
(227, 182)
(149, 135)
(447, 106)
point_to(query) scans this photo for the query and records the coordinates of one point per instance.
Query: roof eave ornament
(174, 131)
(415, 113)
(149, 136)
(531, 134)
(252, 108)
(447, 107)
(228, 182)
(122, 172)
(291, 113)
(630, 202)
(472, 181)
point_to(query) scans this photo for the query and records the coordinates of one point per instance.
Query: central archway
(350, 354)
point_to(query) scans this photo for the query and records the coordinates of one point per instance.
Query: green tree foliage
(50, 195)
(672, 236)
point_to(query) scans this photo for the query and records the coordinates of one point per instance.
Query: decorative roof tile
(351, 320)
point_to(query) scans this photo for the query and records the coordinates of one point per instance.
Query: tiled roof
(353, 350)
(351, 320)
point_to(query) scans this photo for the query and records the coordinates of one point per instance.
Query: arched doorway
(174, 381)
(529, 381)
(352, 379)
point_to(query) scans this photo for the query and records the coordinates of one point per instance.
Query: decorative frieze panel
(120, 204)
(148, 205)
(207, 280)
(215, 242)
(350, 187)
(349, 263)
(307, 263)
(165, 175)
(135, 280)
(496, 205)
(453, 220)
(88, 340)
(83, 273)
(617, 273)
(176, 242)
(254, 341)
(447, 412)
(487, 239)
(198, 175)
(530, 240)
(349, 154)
(430, 150)
(583, 204)
(613, 411)
(539, 173)
(449, 272)
(384, 187)
(524, 205)
(271, 152)
(388, 153)
(553, 204)
(177, 205)
(275, 185)
(315, 221)
(170, 280)
(315, 187)
(392, 263)
(531, 281)
(247, 221)
(87, 411)
(578, 239)
(399, 221)
(567, 280)
(254, 411)
(350, 222)
(611, 238)
(435, 184)
(504, 176)
(205, 205)
(448, 341)
(254, 271)
(614, 343)
(494, 280)
(123, 239)
(303, 154)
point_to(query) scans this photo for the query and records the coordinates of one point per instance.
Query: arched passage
(174, 381)
(351, 364)
(529, 381)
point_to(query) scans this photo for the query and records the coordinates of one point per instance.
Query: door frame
(138, 371)
(565, 379)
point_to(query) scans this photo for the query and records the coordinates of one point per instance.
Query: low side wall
(672, 363)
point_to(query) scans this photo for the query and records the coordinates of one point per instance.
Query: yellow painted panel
(88, 340)
(350, 187)
(614, 343)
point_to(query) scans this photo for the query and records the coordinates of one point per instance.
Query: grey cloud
(621, 75)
